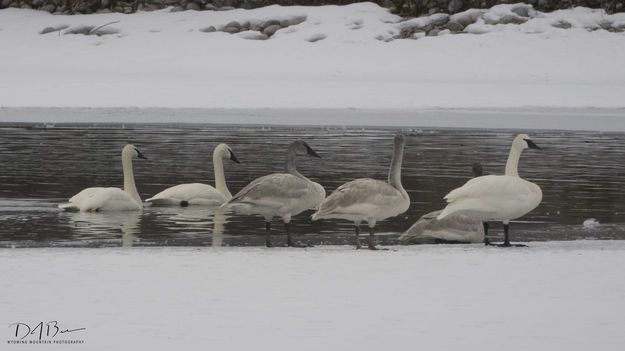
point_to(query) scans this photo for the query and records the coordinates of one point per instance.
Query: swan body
(368, 199)
(497, 197)
(110, 199)
(493, 198)
(364, 199)
(198, 193)
(452, 229)
(280, 194)
(189, 194)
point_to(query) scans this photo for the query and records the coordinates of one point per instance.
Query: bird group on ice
(466, 217)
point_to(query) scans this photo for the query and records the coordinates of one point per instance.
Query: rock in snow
(591, 223)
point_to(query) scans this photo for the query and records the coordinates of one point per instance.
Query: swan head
(224, 151)
(302, 147)
(132, 151)
(523, 141)
(400, 140)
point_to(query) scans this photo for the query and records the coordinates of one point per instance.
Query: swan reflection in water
(193, 221)
(105, 224)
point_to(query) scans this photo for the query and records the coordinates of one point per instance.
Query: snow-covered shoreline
(526, 118)
(553, 296)
(163, 59)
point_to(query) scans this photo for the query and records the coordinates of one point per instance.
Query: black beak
(311, 152)
(233, 158)
(140, 155)
(531, 144)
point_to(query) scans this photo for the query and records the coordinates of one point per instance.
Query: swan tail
(445, 212)
(162, 201)
(69, 207)
(315, 216)
(240, 208)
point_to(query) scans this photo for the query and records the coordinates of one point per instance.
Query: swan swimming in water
(497, 197)
(280, 194)
(111, 199)
(197, 193)
(453, 229)
(368, 199)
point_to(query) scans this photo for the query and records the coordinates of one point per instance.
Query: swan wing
(491, 197)
(84, 194)
(278, 193)
(452, 229)
(272, 186)
(193, 193)
(358, 196)
(105, 199)
(490, 186)
(74, 202)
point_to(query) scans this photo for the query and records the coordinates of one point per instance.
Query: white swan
(497, 198)
(197, 193)
(111, 199)
(368, 199)
(452, 229)
(280, 194)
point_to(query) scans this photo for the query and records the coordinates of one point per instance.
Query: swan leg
(371, 239)
(289, 239)
(486, 240)
(268, 234)
(506, 235)
(357, 236)
(506, 240)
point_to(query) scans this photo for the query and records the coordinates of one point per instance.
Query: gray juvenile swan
(497, 197)
(280, 194)
(368, 199)
(453, 229)
(111, 199)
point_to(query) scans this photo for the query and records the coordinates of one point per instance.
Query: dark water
(582, 175)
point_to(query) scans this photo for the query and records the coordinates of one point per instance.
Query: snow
(550, 296)
(339, 57)
(591, 223)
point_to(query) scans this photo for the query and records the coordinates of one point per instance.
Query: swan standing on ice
(497, 198)
(280, 194)
(197, 193)
(368, 199)
(452, 229)
(111, 199)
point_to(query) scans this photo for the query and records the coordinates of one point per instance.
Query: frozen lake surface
(581, 173)
(550, 296)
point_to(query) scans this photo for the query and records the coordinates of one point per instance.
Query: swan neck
(289, 165)
(512, 166)
(220, 178)
(394, 173)
(129, 178)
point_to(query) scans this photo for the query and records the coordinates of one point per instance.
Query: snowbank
(338, 57)
(550, 296)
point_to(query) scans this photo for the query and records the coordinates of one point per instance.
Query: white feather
(109, 199)
(197, 193)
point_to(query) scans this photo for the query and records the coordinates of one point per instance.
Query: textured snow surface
(550, 296)
(339, 57)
